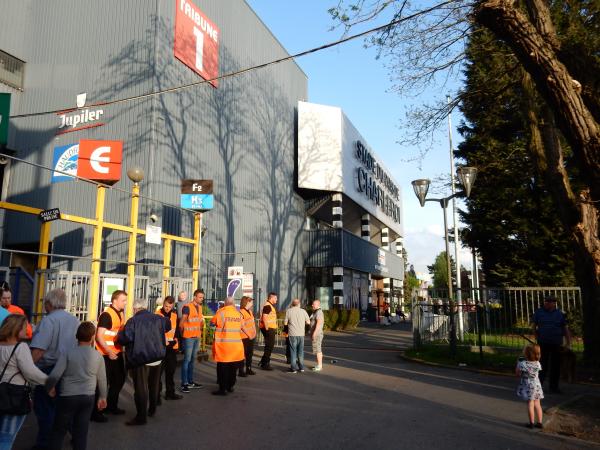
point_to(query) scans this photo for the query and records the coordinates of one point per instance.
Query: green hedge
(341, 319)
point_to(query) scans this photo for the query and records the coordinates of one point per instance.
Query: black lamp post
(467, 177)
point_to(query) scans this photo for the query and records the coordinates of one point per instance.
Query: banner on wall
(65, 160)
(196, 40)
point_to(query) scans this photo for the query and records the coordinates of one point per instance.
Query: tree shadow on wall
(178, 120)
(274, 196)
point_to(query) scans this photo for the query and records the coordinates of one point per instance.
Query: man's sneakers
(250, 372)
(268, 367)
(195, 386)
(185, 389)
(292, 371)
(317, 369)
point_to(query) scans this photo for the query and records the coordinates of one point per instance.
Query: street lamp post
(467, 177)
(135, 174)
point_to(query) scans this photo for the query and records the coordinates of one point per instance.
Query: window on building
(12, 70)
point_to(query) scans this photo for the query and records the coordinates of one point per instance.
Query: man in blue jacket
(550, 327)
(145, 347)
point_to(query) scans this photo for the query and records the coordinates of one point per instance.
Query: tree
(411, 282)
(511, 217)
(427, 43)
(439, 271)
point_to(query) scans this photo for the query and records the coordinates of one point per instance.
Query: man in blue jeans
(550, 327)
(54, 336)
(190, 325)
(296, 320)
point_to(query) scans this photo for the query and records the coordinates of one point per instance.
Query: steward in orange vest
(268, 328)
(227, 348)
(190, 325)
(248, 335)
(110, 322)
(169, 364)
(6, 302)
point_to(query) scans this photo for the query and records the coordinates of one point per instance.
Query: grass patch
(510, 339)
(440, 354)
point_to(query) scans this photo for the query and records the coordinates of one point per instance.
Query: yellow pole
(133, 220)
(96, 254)
(166, 267)
(196, 250)
(42, 265)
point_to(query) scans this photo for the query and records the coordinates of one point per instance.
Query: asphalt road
(369, 398)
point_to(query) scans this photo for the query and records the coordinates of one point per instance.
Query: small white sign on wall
(153, 234)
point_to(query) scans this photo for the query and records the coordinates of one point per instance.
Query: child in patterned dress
(530, 388)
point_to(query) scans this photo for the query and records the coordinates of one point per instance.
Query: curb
(446, 366)
(481, 371)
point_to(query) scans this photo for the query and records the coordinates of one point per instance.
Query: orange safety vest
(248, 326)
(14, 309)
(110, 336)
(227, 344)
(271, 319)
(194, 322)
(170, 335)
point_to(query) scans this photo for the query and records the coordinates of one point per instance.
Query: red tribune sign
(100, 160)
(196, 40)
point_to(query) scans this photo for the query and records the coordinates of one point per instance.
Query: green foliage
(440, 354)
(411, 282)
(341, 319)
(512, 219)
(439, 271)
(575, 322)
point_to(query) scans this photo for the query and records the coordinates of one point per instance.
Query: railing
(501, 318)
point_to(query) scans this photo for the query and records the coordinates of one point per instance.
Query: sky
(350, 77)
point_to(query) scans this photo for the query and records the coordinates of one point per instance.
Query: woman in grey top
(80, 370)
(16, 361)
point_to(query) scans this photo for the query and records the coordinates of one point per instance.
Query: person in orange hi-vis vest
(6, 303)
(190, 326)
(268, 328)
(110, 322)
(170, 362)
(227, 348)
(248, 335)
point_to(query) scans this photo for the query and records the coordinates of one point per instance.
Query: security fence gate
(499, 318)
(77, 288)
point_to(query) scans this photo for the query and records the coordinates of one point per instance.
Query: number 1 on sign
(199, 48)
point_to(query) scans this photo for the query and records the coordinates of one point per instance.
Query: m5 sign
(196, 40)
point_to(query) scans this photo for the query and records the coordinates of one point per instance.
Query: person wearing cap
(550, 327)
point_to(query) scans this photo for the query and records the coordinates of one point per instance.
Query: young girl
(530, 388)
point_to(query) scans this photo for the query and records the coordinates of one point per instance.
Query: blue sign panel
(65, 160)
(199, 202)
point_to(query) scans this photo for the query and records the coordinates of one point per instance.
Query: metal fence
(499, 318)
(77, 288)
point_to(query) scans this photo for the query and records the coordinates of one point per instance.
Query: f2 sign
(196, 40)
(100, 160)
